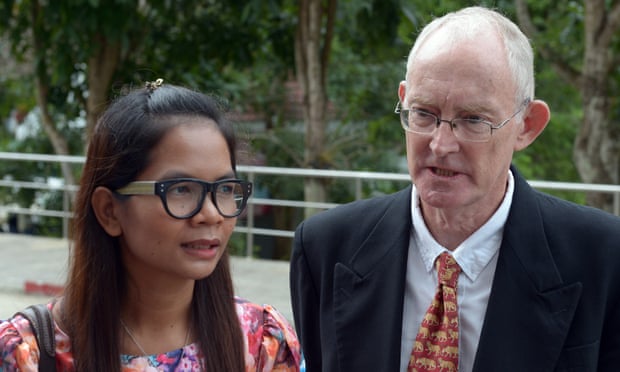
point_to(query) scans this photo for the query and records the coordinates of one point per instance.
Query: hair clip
(152, 85)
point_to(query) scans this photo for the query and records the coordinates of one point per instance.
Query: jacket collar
(368, 293)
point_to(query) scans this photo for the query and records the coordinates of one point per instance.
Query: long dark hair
(118, 151)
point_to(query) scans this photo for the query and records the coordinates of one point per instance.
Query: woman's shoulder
(19, 349)
(253, 315)
(269, 335)
(18, 345)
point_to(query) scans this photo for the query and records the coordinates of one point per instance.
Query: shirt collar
(473, 254)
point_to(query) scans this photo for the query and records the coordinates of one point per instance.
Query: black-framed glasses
(467, 129)
(184, 197)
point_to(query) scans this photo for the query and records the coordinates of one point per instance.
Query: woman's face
(157, 246)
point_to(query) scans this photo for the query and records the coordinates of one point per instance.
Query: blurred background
(309, 85)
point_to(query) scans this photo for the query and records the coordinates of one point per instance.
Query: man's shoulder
(566, 213)
(557, 212)
(585, 233)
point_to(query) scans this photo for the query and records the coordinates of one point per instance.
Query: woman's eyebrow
(180, 174)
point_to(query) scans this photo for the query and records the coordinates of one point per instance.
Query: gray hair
(518, 49)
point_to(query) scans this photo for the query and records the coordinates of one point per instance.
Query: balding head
(468, 24)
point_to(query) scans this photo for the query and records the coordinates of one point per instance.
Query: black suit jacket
(554, 303)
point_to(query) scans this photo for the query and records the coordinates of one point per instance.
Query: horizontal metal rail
(358, 177)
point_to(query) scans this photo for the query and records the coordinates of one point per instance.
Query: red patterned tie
(436, 347)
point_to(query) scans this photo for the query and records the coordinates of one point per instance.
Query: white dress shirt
(477, 257)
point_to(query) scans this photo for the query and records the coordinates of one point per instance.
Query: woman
(149, 281)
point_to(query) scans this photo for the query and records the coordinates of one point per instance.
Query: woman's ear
(535, 120)
(105, 205)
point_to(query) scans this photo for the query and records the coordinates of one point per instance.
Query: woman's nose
(208, 213)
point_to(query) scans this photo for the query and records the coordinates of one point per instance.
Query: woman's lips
(203, 248)
(201, 244)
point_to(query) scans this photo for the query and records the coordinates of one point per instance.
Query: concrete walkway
(33, 268)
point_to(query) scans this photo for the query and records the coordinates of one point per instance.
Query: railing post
(249, 240)
(617, 203)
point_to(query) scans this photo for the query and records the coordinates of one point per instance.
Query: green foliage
(357, 27)
(550, 156)
(187, 42)
(243, 51)
(210, 46)
(15, 97)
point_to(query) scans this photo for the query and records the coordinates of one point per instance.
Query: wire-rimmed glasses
(466, 129)
(184, 197)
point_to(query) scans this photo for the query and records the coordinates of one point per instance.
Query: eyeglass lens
(424, 122)
(185, 198)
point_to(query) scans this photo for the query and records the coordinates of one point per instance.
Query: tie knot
(447, 270)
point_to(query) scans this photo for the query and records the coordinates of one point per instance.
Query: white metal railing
(357, 177)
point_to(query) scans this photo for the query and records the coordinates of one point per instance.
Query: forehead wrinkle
(480, 108)
(450, 94)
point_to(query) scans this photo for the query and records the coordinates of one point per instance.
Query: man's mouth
(443, 172)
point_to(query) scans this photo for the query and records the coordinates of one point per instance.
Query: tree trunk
(312, 49)
(58, 142)
(101, 68)
(42, 86)
(596, 146)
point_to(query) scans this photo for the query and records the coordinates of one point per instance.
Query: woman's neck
(156, 319)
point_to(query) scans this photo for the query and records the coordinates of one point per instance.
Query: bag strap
(42, 325)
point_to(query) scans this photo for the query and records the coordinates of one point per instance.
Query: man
(538, 278)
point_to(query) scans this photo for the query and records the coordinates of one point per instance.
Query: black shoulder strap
(41, 321)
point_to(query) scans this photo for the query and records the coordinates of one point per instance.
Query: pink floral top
(270, 345)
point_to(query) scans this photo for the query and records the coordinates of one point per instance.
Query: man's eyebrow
(417, 100)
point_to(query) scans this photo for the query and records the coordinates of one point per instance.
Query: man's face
(457, 77)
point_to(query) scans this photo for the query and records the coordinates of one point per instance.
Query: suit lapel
(530, 308)
(368, 293)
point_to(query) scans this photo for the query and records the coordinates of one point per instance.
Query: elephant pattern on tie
(436, 345)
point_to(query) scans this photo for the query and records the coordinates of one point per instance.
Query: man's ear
(105, 205)
(535, 120)
(402, 89)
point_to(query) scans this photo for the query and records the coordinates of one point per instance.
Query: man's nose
(443, 139)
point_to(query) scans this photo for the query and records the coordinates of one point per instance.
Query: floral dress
(270, 345)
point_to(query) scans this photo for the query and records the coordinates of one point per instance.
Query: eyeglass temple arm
(397, 108)
(138, 188)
